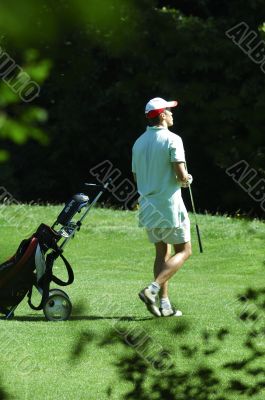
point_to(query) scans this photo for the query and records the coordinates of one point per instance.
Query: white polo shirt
(161, 204)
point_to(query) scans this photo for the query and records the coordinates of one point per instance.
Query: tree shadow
(3, 394)
(153, 372)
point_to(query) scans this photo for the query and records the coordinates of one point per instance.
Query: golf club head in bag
(73, 206)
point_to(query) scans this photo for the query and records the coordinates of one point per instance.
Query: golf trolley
(32, 264)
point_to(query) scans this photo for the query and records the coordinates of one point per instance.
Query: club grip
(199, 239)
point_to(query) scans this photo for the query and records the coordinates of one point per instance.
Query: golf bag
(31, 266)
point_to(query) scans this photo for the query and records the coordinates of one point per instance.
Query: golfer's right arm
(180, 171)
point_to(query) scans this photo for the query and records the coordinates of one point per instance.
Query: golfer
(159, 169)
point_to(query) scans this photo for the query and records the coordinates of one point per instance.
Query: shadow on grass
(201, 370)
(79, 314)
(28, 318)
(188, 371)
(118, 318)
(37, 318)
(3, 394)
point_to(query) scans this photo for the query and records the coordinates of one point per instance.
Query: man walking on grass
(159, 169)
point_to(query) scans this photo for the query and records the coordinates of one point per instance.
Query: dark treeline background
(99, 62)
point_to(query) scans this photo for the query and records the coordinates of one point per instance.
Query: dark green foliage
(109, 61)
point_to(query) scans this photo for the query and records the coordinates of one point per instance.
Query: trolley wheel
(58, 306)
(57, 291)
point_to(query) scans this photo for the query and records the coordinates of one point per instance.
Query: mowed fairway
(112, 260)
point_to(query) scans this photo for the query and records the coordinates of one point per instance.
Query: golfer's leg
(163, 253)
(174, 263)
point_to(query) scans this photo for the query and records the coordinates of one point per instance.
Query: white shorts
(170, 235)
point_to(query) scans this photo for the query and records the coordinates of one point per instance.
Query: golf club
(196, 222)
(195, 216)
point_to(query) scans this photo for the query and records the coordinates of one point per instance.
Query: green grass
(112, 260)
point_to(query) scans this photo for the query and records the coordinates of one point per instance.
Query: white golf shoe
(147, 296)
(150, 301)
(170, 312)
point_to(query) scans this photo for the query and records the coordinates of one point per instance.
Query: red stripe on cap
(154, 113)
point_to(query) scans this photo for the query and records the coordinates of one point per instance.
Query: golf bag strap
(44, 297)
(69, 271)
(48, 277)
(45, 284)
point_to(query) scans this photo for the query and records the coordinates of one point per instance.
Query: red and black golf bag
(31, 266)
(33, 262)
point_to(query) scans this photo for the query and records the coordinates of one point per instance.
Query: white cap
(157, 105)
